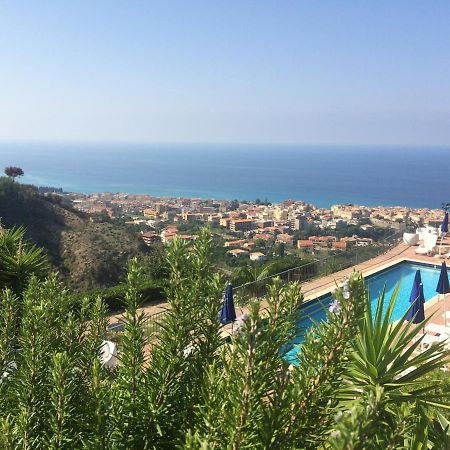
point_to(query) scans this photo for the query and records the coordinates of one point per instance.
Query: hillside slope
(86, 254)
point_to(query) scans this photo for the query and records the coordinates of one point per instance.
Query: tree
(13, 172)
(154, 264)
(251, 272)
(234, 204)
(102, 216)
(280, 250)
(266, 202)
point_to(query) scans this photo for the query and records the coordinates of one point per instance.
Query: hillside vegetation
(86, 254)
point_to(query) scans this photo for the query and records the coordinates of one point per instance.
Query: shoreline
(91, 192)
(322, 175)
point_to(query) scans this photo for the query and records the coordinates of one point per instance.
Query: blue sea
(323, 175)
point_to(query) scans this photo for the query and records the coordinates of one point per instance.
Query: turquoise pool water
(315, 311)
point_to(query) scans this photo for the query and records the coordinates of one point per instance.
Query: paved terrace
(317, 287)
(402, 252)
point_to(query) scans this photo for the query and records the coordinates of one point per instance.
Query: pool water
(404, 273)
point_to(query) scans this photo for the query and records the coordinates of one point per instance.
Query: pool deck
(316, 288)
(323, 285)
(398, 254)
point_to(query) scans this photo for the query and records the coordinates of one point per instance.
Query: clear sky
(279, 71)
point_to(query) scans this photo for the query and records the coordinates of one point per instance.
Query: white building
(258, 256)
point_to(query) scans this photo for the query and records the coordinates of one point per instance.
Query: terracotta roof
(340, 245)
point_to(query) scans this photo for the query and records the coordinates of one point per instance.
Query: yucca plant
(251, 273)
(19, 259)
(8, 320)
(253, 281)
(388, 355)
(383, 386)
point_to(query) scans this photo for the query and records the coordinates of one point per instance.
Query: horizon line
(219, 143)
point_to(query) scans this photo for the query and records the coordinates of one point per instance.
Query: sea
(322, 175)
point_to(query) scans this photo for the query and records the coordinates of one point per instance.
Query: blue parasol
(416, 313)
(443, 286)
(227, 312)
(444, 224)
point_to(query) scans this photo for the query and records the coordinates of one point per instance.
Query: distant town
(248, 227)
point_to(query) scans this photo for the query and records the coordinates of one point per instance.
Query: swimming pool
(404, 272)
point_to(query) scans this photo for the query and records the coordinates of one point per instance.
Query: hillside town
(245, 225)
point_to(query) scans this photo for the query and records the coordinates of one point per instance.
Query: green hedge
(114, 296)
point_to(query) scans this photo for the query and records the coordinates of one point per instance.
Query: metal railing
(151, 326)
(316, 268)
(152, 323)
(306, 272)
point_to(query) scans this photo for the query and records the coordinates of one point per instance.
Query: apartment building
(150, 237)
(241, 225)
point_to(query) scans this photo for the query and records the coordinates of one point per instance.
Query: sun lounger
(431, 339)
(426, 231)
(437, 329)
(443, 255)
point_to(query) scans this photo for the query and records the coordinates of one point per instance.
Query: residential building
(237, 252)
(225, 222)
(305, 244)
(241, 225)
(236, 243)
(264, 223)
(258, 256)
(151, 213)
(214, 220)
(284, 238)
(322, 241)
(299, 222)
(263, 237)
(339, 245)
(280, 214)
(150, 237)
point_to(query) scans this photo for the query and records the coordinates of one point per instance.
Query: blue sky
(347, 72)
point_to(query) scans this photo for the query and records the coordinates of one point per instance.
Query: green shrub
(114, 297)
(194, 389)
(19, 259)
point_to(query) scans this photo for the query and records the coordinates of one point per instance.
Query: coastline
(323, 175)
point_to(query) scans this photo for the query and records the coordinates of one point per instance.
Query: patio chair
(108, 354)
